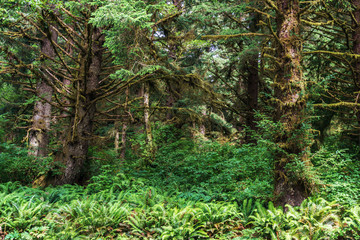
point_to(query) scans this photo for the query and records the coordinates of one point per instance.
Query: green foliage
(123, 14)
(145, 212)
(115, 183)
(132, 20)
(352, 221)
(3, 123)
(9, 10)
(182, 223)
(102, 160)
(247, 208)
(193, 189)
(76, 213)
(313, 219)
(219, 214)
(92, 215)
(18, 165)
(21, 215)
(271, 220)
(11, 109)
(212, 171)
(340, 173)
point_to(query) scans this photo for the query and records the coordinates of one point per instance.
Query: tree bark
(121, 145)
(76, 144)
(123, 141)
(252, 85)
(290, 104)
(150, 145)
(38, 133)
(202, 127)
(125, 126)
(252, 81)
(356, 50)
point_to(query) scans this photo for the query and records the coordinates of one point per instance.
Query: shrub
(17, 165)
(340, 173)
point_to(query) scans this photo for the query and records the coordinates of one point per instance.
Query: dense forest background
(182, 119)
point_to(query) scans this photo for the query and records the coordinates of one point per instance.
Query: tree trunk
(38, 134)
(123, 141)
(125, 126)
(252, 81)
(252, 90)
(290, 104)
(121, 146)
(356, 50)
(202, 127)
(76, 144)
(240, 120)
(117, 137)
(150, 145)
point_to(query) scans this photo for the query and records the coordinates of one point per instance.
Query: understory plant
(315, 218)
(74, 212)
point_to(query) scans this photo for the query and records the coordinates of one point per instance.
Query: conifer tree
(41, 120)
(290, 98)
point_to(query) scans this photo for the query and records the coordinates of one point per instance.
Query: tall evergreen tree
(290, 98)
(41, 120)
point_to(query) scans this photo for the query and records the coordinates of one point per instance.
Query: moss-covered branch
(225, 37)
(338, 104)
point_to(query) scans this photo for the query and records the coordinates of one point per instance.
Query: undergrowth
(206, 190)
(211, 171)
(137, 211)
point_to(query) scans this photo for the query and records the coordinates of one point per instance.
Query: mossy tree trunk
(38, 133)
(290, 104)
(356, 50)
(252, 85)
(150, 145)
(120, 144)
(123, 140)
(78, 136)
(252, 80)
(125, 125)
(202, 127)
